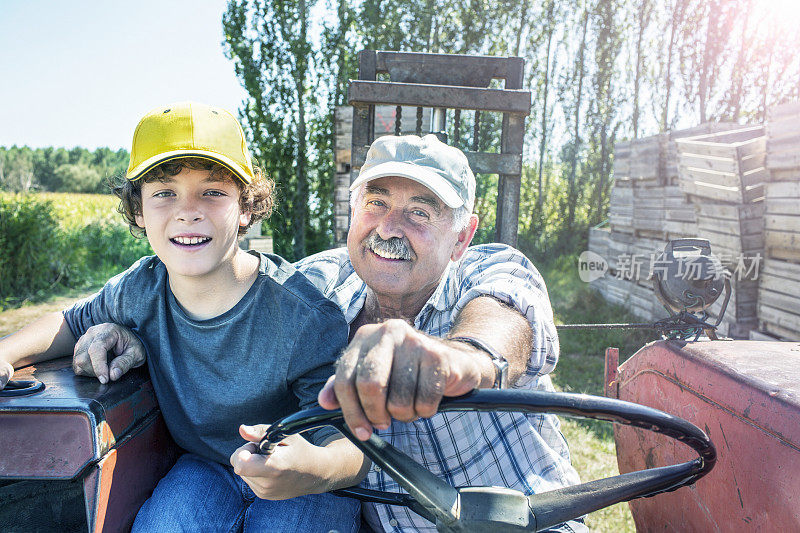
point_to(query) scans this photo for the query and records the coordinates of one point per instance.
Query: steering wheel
(501, 509)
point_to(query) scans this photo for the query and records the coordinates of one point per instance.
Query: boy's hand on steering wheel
(281, 475)
(92, 352)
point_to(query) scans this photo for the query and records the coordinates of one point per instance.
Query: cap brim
(245, 175)
(433, 181)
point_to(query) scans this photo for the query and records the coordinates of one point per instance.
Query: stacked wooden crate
(779, 287)
(599, 240)
(646, 162)
(620, 209)
(648, 207)
(724, 175)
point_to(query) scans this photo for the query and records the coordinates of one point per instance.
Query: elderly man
(429, 317)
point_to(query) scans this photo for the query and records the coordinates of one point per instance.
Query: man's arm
(500, 326)
(390, 370)
(46, 338)
(296, 467)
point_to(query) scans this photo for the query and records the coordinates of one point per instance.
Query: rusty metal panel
(111, 440)
(362, 92)
(64, 445)
(117, 486)
(90, 417)
(746, 396)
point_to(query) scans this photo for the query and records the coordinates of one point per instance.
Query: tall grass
(581, 369)
(61, 240)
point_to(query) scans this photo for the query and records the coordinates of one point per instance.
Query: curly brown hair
(255, 197)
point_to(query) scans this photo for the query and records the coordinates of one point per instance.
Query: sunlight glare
(784, 14)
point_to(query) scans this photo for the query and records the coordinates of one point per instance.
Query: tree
(269, 45)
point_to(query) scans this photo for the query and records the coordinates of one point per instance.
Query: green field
(58, 241)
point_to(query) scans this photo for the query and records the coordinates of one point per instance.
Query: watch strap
(500, 363)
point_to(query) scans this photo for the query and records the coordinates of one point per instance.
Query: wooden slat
(782, 239)
(786, 254)
(699, 149)
(784, 189)
(782, 269)
(732, 227)
(753, 161)
(784, 110)
(783, 160)
(781, 286)
(786, 223)
(781, 319)
(729, 194)
(762, 336)
(782, 302)
(784, 334)
(730, 212)
(711, 163)
(497, 100)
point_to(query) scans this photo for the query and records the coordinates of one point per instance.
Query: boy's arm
(297, 467)
(46, 338)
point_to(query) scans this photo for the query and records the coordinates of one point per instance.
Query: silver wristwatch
(499, 362)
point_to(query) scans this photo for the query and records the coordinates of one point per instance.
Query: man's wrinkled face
(401, 238)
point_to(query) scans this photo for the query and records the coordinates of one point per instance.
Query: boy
(232, 336)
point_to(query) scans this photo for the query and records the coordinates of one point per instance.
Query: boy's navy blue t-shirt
(263, 359)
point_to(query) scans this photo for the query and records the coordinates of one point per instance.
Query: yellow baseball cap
(189, 129)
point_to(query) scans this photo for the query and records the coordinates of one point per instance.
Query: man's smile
(394, 249)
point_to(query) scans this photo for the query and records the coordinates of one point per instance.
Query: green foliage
(581, 366)
(29, 248)
(290, 129)
(58, 169)
(67, 240)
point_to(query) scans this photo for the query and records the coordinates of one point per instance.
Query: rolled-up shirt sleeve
(499, 271)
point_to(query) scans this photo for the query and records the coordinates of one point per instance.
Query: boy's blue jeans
(201, 495)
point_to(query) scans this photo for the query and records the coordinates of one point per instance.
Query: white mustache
(392, 246)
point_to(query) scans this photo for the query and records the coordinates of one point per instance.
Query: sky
(82, 73)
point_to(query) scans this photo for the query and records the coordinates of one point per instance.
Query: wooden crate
(646, 251)
(640, 301)
(724, 167)
(740, 314)
(620, 209)
(779, 299)
(680, 214)
(783, 137)
(619, 246)
(782, 220)
(645, 159)
(599, 238)
(648, 210)
(732, 230)
(622, 162)
(669, 148)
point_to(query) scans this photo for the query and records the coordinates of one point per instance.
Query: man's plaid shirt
(523, 452)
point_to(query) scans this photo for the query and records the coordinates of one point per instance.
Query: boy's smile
(192, 221)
